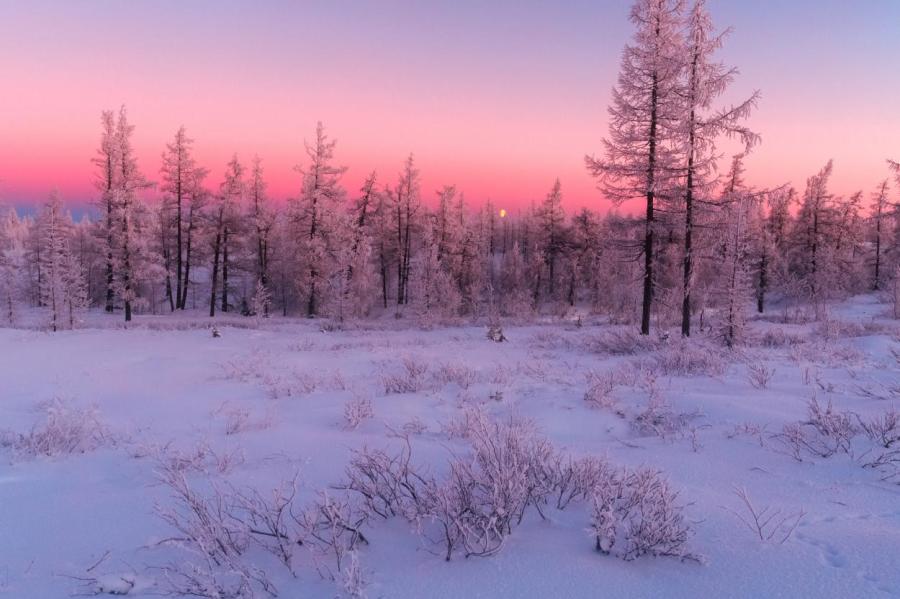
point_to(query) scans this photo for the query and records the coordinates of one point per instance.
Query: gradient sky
(497, 97)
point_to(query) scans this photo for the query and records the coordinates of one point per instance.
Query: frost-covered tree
(313, 215)
(107, 173)
(434, 295)
(700, 126)
(550, 241)
(13, 233)
(812, 237)
(178, 173)
(223, 223)
(133, 263)
(63, 290)
(640, 159)
(198, 197)
(737, 268)
(405, 206)
(880, 207)
(262, 217)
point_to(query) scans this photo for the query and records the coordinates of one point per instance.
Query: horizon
(496, 101)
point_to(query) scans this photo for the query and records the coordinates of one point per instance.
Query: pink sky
(498, 100)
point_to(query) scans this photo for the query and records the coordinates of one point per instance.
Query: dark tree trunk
(225, 270)
(215, 274)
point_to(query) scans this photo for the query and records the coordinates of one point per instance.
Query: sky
(498, 98)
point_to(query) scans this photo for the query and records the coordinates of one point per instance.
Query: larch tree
(704, 81)
(880, 207)
(230, 197)
(262, 217)
(198, 197)
(107, 172)
(813, 230)
(313, 215)
(12, 255)
(178, 170)
(405, 205)
(133, 263)
(550, 219)
(63, 290)
(640, 157)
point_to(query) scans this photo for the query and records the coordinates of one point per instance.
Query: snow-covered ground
(257, 405)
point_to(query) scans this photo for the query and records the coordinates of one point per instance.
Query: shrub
(64, 429)
(690, 359)
(760, 375)
(639, 512)
(357, 410)
(410, 379)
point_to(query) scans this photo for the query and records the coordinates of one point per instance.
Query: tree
(550, 220)
(12, 259)
(701, 126)
(133, 263)
(107, 165)
(813, 230)
(63, 290)
(263, 219)
(879, 212)
(313, 214)
(231, 194)
(640, 159)
(198, 196)
(406, 205)
(178, 173)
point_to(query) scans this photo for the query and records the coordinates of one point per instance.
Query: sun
(503, 213)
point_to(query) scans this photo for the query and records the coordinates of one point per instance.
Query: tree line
(706, 249)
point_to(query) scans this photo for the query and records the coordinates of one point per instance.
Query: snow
(166, 382)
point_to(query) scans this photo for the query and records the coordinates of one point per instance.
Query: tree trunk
(225, 270)
(215, 274)
(649, 219)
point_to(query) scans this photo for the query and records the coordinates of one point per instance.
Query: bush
(64, 429)
(639, 512)
(410, 379)
(356, 411)
(690, 359)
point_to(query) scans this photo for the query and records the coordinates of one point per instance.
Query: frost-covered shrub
(620, 342)
(208, 531)
(882, 430)
(389, 485)
(827, 353)
(600, 387)
(776, 338)
(759, 375)
(456, 373)
(637, 513)
(824, 433)
(357, 410)
(411, 377)
(770, 524)
(509, 470)
(690, 359)
(63, 429)
(659, 419)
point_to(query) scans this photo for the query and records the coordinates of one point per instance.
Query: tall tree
(178, 166)
(640, 160)
(406, 204)
(107, 172)
(701, 126)
(128, 182)
(231, 194)
(263, 219)
(879, 212)
(63, 290)
(313, 213)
